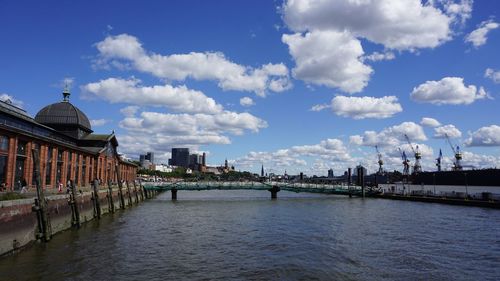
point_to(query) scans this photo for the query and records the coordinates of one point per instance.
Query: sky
(296, 86)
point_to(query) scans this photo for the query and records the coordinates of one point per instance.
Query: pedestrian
(24, 188)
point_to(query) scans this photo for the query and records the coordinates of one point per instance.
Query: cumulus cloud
(366, 107)
(493, 75)
(180, 98)
(332, 150)
(400, 25)
(326, 35)
(329, 58)
(478, 37)
(429, 122)
(485, 136)
(391, 136)
(165, 130)
(14, 101)
(246, 101)
(130, 110)
(450, 130)
(449, 90)
(126, 51)
(191, 124)
(99, 122)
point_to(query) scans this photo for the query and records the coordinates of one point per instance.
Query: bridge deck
(296, 187)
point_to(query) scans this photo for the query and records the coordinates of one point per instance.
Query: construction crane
(438, 160)
(406, 163)
(457, 165)
(417, 168)
(380, 162)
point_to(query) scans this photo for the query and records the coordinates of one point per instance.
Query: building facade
(180, 157)
(65, 144)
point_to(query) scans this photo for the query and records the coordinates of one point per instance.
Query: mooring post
(110, 198)
(274, 191)
(120, 186)
(174, 193)
(74, 205)
(129, 194)
(97, 203)
(136, 195)
(40, 206)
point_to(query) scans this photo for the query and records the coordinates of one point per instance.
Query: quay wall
(19, 223)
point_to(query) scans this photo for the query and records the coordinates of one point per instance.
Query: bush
(11, 196)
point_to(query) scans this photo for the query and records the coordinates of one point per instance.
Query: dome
(63, 116)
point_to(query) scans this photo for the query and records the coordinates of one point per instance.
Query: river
(243, 235)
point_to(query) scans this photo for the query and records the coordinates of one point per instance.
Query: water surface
(243, 235)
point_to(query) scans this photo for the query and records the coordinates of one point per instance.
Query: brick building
(67, 148)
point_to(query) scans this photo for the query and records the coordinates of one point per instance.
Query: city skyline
(301, 88)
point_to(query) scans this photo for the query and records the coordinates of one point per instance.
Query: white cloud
(331, 150)
(478, 37)
(366, 107)
(493, 75)
(429, 122)
(376, 56)
(479, 161)
(391, 136)
(326, 39)
(14, 101)
(165, 131)
(180, 98)
(401, 25)
(329, 58)
(449, 90)
(99, 122)
(191, 124)
(319, 107)
(450, 130)
(126, 51)
(130, 110)
(485, 136)
(246, 101)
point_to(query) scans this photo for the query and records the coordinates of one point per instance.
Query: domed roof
(63, 114)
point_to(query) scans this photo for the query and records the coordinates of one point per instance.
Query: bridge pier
(174, 193)
(274, 191)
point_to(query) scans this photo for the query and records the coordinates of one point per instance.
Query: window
(19, 180)
(21, 148)
(33, 180)
(4, 159)
(68, 169)
(48, 166)
(77, 170)
(4, 143)
(84, 167)
(60, 153)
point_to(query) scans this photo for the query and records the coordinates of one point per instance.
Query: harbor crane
(380, 161)
(406, 163)
(438, 160)
(457, 165)
(417, 168)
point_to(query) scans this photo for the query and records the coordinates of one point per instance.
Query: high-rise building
(151, 157)
(330, 173)
(180, 157)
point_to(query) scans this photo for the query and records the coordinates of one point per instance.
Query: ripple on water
(242, 235)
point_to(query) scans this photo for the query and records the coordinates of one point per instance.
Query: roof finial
(66, 93)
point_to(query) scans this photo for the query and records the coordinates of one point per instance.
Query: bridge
(272, 187)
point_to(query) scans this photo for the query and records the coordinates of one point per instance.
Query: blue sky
(294, 85)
